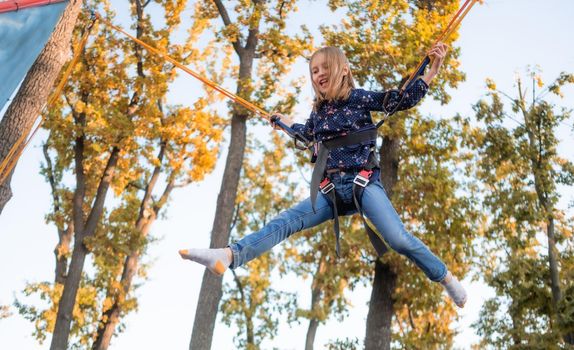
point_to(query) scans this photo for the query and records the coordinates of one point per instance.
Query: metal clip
(362, 178)
(326, 186)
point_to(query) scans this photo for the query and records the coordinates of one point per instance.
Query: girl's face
(320, 73)
(330, 75)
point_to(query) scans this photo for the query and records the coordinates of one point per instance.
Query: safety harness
(320, 180)
(363, 178)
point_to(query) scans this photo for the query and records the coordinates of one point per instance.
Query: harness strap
(318, 181)
(327, 188)
(323, 155)
(376, 238)
(362, 180)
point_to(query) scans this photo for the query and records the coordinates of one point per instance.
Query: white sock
(454, 289)
(216, 260)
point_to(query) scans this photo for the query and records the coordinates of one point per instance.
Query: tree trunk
(313, 322)
(146, 218)
(211, 286)
(68, 299)
(381, 305)
(555, 277)
(64, 235)
(553, 262)
(544, 202)
(34, 91)
(60, 252)
(311, 333)
(380, 316)
(250, 334)
(247, 312)
(389, 163)
(316, 294)
(111, 317)
(72, 284)
(537, 158)
(211, 293)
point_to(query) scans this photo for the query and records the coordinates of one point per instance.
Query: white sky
(497, 39)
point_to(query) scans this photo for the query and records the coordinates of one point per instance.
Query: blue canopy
(23, 34)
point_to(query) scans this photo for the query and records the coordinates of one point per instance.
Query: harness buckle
(362, 178)
(326, 186)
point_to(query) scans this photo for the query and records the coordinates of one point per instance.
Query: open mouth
(323, 83)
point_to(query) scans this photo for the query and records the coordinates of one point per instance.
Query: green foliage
(346, 344)
(312, 254)
(518, 318)
(85, 312)
(434, 208)
(521, 171)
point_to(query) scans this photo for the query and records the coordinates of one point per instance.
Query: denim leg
(379, 210)
(295, 219)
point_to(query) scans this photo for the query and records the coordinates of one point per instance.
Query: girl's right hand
(286, 120)
(437, 55)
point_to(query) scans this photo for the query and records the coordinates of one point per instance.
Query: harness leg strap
(333, 199)
(376, 238)
(327, 188)
(323, 155)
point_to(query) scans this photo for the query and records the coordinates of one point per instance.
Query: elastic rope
(16, 151)
(250, 106)
(450, 28)
(454, 22)
(458, 13)
(459, 19)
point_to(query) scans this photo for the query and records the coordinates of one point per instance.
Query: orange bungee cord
(450, 28)
(300, 141)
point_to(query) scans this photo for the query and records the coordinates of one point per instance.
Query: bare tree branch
(50, 175)
(235, 216)
(227, 22)
(251, 42)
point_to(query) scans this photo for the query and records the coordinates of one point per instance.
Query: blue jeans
(376, 207)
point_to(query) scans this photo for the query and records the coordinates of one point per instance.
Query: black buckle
(361, 181)
(326, 186)
(362, 178)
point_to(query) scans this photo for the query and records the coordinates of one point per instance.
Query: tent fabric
(11, 5)
(23, 34)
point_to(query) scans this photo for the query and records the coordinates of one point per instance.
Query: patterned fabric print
(339, 118)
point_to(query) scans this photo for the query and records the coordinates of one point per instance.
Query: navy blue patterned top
(334, 119)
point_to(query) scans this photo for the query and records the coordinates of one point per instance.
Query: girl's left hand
(437, 55)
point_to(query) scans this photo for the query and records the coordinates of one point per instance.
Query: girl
(339, 109)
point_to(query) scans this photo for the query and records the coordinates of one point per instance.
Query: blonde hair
(340, 84)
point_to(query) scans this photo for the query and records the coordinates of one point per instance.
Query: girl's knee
(401, 242)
